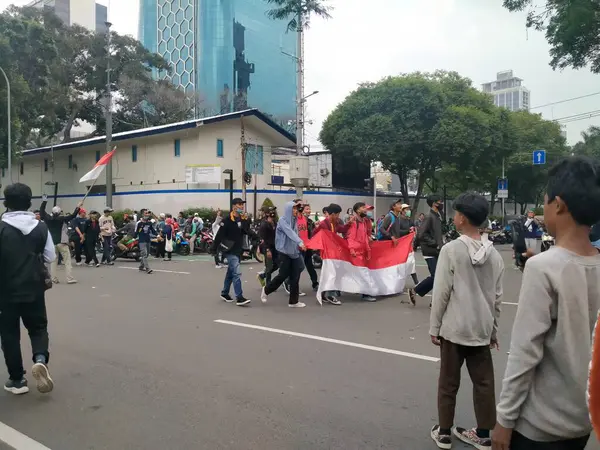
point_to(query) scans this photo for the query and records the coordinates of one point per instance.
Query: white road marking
(18, 440)
(155, 270)
(509, 303)
(332, 341)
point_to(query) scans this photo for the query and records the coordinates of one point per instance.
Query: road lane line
(18, 440)
(331, 341)
(154, 270)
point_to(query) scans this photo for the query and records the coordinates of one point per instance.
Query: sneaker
(411, 295)
(337, 293)
(441, 440)
(470, 437)
(149, 271)
(16, 387)
(42, 377)
(110, 263)
(166, 259)
(218, 266)
(241, 301)
(91, 264)
(300, 294)
(369, 298)
(55, 281)
(261, 279)
(78, 264)
(331, 300)
(97, 264)
(263, 295)
(72, 282)
(226, 298)
(297, 305)
(286, 287)
(141, 269)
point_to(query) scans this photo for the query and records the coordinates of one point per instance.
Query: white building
(508, 91)
(86, 13)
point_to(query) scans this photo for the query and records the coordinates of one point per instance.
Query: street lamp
(310, 95)
(230, 172)
(9, 126)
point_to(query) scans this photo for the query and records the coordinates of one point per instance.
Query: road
(140, 362)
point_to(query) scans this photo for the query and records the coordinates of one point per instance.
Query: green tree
(590, 145)
(572, 29)
(290, 10)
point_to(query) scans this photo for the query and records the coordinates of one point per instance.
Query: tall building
(86, 13)
(508, 91)
(227, 51)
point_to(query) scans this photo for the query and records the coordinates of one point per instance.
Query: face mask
(408, 213)
(370, 215)
(440, 207)
(239, 210)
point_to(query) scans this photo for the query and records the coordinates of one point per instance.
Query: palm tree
(292, 9)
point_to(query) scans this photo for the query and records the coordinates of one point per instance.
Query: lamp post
(300, 124)
(230, 172)
(9, 126)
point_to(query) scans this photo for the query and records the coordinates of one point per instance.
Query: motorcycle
(204, 241)
(498, 237)
(547, 242)
(181, 244)
(132, 250)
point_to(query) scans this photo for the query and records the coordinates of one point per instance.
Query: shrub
(206, 214)
(118, 216)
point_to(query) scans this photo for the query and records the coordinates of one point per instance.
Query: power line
(566, 100)
(580, 116)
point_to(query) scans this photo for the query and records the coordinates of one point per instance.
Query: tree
(290, 9)
(590, 145)
(572, 29)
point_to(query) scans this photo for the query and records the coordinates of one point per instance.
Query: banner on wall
(203, 174)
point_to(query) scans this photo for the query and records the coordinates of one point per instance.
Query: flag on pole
(99, 167)
(385, 273)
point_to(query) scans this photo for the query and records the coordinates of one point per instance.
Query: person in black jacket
(229, 239)
(92, 234)
(25, 245)
(266, 232)
(429, 237)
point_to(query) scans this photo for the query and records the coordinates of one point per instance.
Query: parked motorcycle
(182, 246)
(132, 248)
(204, 241)
(498, 237)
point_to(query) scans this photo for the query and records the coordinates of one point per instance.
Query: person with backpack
(25, 247)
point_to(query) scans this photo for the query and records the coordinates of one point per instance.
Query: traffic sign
(539, 157)
(502, 187)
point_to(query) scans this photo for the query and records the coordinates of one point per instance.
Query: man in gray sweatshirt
(464, 321)
(543, 400)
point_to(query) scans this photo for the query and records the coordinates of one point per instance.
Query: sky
(473, 37)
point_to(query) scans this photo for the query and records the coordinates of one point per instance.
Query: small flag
(99, 167)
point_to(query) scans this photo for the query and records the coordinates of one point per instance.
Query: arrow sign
(539, 157)
(502, 187)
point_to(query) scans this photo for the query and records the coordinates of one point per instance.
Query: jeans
(233, 275)
(64, 251)
(289, 269)
(520, 442)
(144, 252)
(34, 318)
(106, 247)
(425, 286)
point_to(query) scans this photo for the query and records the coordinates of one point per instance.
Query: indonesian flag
(385, 273)
(99, 167)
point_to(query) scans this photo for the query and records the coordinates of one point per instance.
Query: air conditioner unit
(324, 172)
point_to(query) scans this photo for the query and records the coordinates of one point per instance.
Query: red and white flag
(99, 167)
(385, 273)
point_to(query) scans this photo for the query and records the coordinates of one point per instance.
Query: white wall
(83, 13)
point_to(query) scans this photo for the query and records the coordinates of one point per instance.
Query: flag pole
(93, 183)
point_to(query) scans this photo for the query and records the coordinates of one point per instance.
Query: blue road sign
(503, 184)
(539, 157)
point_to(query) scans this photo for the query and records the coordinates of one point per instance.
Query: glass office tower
(228, 51)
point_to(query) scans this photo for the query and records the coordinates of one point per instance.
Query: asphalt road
(140, 363)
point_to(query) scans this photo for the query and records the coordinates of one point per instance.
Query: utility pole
(108, 116)
(244, 147)
(300, 86)
(9, 146)
(502, 199)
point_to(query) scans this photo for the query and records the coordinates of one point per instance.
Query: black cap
(237, 201)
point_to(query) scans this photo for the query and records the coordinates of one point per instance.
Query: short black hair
(433, 198)
(334, 208)
(17, 197)
(576, 180)
(473, 206)
(358, 205)
(325, 209)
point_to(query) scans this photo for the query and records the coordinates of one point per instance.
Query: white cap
(56, 210)
(162, 215)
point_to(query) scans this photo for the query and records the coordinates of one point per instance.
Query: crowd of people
(543, 402)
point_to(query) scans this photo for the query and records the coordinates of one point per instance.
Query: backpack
(380, 235)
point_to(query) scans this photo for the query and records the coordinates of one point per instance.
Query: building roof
(162, 129)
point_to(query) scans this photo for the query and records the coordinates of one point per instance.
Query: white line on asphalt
(18, 440)
(155, 270)
(509, 303)
(332, 341)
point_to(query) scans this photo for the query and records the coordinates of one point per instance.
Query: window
(70, 161)
(3, 173)
(254, 159)
(22, 168)
(134, 153)
(46, 165)
(219, 148)
(177, 148)
(97, 155)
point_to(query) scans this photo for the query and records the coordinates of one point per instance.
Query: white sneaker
(78, 264)
(301, 294)
(297, 305)
(263, 295)
(72, 282)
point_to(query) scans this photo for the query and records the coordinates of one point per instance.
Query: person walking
(266, 232)
(107, 228)
(167, 234)
(229, 240)
(57, 225)
(464, 322)
(359, 237)
(144, 232)
(92, 234)
(305, 230)
(160, 229)
(25, 246)
(429, 237)
(219, 264)
(291, 262)
(78, 225)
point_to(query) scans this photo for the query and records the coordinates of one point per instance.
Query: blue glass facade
(228, 51)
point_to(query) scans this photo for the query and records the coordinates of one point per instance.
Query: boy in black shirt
(144, 232)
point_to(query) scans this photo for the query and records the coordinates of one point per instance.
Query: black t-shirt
(78, 222)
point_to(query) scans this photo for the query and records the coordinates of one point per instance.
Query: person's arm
(138, 229)
(79, 232)
(43, 214)
(49, 250)
(386, 227)
(75, 213)
(352, 237)
(442, 289)
(498, 302)
(533, 320)
(289, 232)
(425, 233)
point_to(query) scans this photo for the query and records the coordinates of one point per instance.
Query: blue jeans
(233, 275)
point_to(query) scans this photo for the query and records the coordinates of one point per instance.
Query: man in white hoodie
(25, 245)
(464, 320)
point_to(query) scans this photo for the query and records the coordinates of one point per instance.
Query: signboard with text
(203, 174)
(502, 187)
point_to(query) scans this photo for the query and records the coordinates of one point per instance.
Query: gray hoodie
(287, 240)
(467, 292)
(26, 222)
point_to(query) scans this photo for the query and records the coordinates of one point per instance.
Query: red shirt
(302, 228)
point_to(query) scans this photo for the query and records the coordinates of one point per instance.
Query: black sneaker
(286, 287)
(16, 387)
(149, 271)
(42, 377)
(241, 301)
(315, 287)
(227, 298)
(443, 441)
(411, 295)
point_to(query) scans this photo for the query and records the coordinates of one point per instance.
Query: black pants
(90, 251)
(106, 247)
(425, 286)
(78, 247)
(289, 269)
(271, 264)
(35, 320)
(520, 442)
(312, 273)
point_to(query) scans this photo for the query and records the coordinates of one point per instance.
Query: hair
(334, 208)
(17, 197)
(395, 203)
(473, 206)
(576, 180)
(433, 198)
(358, 205)
(325, 209)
